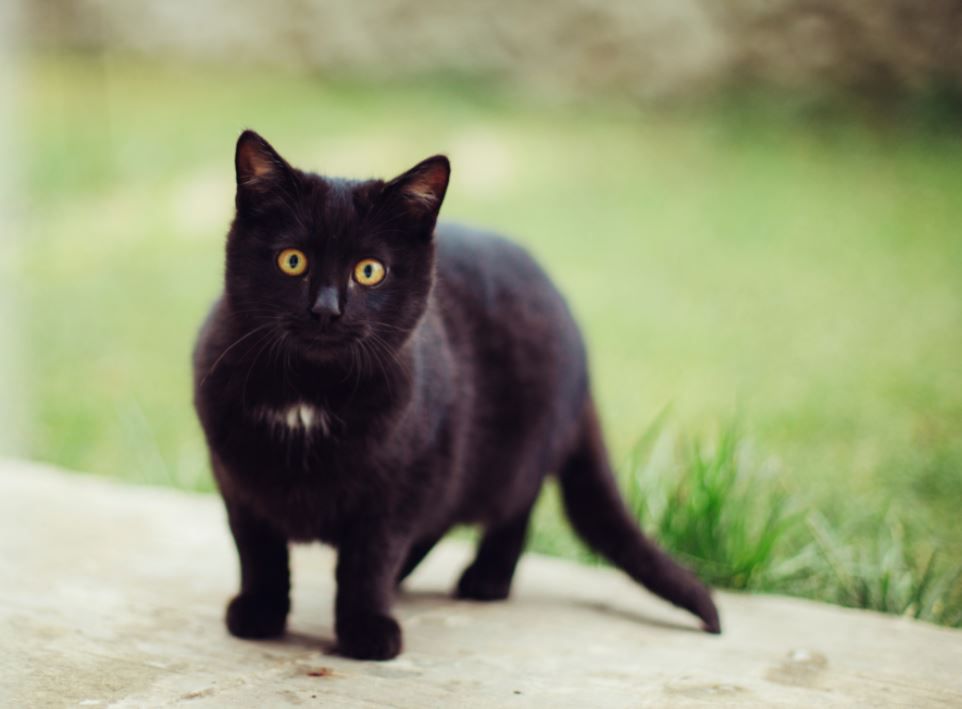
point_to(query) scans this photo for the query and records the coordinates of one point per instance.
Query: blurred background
(755, 209)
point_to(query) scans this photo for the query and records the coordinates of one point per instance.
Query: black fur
(442, 396)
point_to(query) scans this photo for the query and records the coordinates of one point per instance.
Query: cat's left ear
(420, 191)
(255, 159)
(260, 170)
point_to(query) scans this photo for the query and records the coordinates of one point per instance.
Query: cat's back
(495, 277)
(521, 372)
(508, 313)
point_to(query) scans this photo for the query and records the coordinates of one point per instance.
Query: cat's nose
(327, 306)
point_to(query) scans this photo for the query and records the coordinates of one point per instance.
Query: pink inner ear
(254, 163)
(427, 186)
(422, 194)
(261, 166)
(255, 158)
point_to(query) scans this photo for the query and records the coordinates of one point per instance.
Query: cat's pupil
(368, 271)
(292, 261)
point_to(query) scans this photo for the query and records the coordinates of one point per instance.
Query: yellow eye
(369, 272)
(292, 262)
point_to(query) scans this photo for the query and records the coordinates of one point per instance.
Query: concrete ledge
(113, 595)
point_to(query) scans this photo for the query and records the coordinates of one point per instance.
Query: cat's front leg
(367, 566)
(260, 609)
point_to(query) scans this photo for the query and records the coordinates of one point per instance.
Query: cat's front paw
(257, 616)
(369, 637)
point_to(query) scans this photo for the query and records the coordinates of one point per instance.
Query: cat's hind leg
(489, 576)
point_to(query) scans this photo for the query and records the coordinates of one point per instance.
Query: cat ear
(421, 189)
(256, 162)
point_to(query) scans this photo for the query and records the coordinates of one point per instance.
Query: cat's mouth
(325, 342)
(335, 343)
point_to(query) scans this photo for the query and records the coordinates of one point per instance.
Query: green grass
(724, 523)
(735, 523)
(741, 258)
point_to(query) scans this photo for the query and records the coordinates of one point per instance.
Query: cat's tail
(599, 515)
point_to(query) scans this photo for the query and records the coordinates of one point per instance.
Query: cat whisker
(264, 343)
(229, 348)
(389, 351)
(370, 347)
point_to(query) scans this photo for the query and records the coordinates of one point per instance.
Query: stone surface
(113, 595)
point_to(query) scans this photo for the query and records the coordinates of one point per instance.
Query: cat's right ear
(420, 191)
(258, 166)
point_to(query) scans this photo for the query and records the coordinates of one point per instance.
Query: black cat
(369, 382)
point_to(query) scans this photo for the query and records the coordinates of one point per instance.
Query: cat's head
(329, 265)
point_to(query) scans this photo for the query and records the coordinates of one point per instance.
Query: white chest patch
(300, 418)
